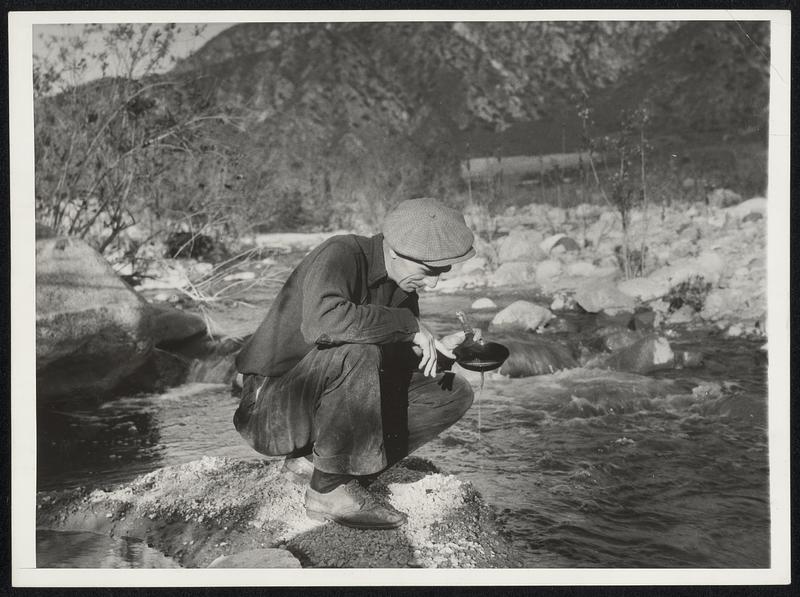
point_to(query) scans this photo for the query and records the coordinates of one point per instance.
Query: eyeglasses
(430, 270)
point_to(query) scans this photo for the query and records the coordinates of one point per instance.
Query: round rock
(258, 558)
(484, 303)
(603, 296)
(522, 315)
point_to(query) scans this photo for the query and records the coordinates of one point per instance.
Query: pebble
(484, 303)
(735, 331)
(707, 390)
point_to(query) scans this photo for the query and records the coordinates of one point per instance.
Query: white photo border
(23, 366)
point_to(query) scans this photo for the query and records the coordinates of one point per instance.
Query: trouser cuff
(326, 482)
(348, 464)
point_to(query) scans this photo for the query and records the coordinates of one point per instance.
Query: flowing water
(585, 468)
(57, 549)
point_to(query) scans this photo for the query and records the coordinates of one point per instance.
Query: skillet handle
(469, 331)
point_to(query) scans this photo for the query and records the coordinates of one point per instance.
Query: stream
(585, 468)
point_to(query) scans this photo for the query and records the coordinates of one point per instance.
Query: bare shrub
(103, 149)
(617, 162)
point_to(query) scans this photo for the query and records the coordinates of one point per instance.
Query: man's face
(413, 276)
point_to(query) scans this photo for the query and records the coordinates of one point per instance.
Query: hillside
(411, 76)
(325, 125)
(702, 81)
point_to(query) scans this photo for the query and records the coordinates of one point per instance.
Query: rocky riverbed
(697, 273)
(701, 264)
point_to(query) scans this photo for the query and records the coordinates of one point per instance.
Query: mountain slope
(467, 74)
(369, 113)
(328, 124)
(702, 81)
(708, 77)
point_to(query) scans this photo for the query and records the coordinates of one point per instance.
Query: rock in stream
(199, 512)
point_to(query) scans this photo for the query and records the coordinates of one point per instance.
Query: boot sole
(322, 516)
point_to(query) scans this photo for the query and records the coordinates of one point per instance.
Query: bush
(185, 245)
(621, 157)
(692, 292)
(104, 149)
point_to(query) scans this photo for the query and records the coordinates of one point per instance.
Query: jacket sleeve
(331, 311)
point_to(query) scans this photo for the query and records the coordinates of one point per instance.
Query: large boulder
(606, 230)
(202, 511)
(756, 205)
(651, 353)
(483, 303)
(514, 273)
(563, 301)
(582, 268)
(548, 270)
(454, 283)
(92, 330)
(709, 266)
(269, 557)
(603, 295)
(614, 338)
(556, 216)
(684, 314)
(475, 264)
(520, 245)
(559, 240)
(732, 303)
(522, 315)
(723, 198)
(535, 356)
(170, 325)
(644, 289)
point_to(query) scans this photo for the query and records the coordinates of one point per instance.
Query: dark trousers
(359, 407)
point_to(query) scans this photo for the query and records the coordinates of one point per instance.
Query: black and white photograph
(428, 297)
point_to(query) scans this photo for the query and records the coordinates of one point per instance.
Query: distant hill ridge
(467, 74)
(326, 124)
(470, 82)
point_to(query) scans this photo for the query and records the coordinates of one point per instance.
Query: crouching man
(342, 376)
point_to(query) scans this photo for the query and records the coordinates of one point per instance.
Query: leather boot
(353, 506)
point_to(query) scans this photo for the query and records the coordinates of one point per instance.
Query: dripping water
(480, 393)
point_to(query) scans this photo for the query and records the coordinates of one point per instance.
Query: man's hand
(426, 345)
(447, 344)
(426, 342)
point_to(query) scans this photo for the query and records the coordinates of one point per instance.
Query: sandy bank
(199, 511)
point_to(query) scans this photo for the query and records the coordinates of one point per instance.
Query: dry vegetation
(309, 131)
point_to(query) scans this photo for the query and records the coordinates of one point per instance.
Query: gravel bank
(199, 511)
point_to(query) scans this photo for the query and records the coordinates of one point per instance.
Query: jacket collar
(376, 264)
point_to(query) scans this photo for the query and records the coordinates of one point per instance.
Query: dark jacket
(340, 293)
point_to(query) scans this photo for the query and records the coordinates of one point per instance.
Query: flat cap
(428, 231)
